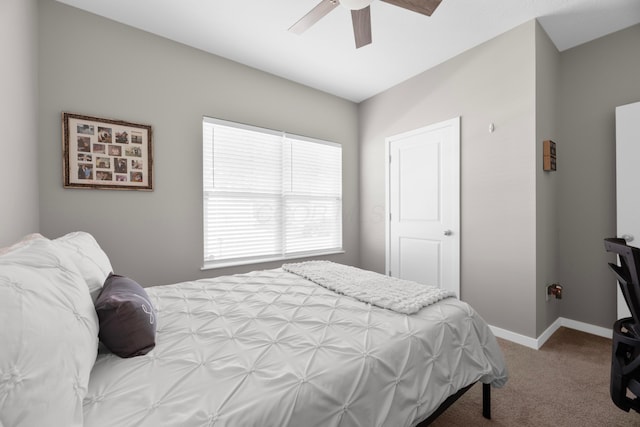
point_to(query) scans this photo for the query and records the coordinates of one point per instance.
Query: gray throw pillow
(127, 317)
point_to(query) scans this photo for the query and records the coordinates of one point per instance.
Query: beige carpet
(565, 383)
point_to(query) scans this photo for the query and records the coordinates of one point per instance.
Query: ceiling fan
(360, 15)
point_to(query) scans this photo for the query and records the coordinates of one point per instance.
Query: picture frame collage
(106, 154)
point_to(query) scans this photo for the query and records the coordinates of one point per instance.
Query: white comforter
(270, 348)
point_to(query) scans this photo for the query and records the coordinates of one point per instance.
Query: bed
(266, 348)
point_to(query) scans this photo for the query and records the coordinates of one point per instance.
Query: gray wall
(492, 83)
(18, 119)
(522, 228)
(510, 209)
(93, 66)
(594, 79)
(547, 253)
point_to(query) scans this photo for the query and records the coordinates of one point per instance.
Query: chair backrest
(628, 278)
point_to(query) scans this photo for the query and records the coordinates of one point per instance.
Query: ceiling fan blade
(317, 13)
(362, 26)
(425, 7)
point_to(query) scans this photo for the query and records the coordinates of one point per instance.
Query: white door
(423, 205)
(628, 181)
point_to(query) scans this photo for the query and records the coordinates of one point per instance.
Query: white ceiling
(405, 43)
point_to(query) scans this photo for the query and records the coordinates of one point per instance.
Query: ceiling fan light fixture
(355, 4)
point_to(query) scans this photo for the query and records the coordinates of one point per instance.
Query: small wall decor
(548, 155)
(106, 154)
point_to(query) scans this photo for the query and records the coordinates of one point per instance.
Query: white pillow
(48, 336)
(26, 239)
(88, 256)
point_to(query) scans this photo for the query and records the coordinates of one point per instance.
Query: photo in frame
(106, 154)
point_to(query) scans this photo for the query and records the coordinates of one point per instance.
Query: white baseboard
(536, 343)
(586, 327)
(514, 337)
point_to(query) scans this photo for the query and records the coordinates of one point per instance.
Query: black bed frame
(486, 404)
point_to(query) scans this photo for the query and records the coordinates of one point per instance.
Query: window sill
(233, 263)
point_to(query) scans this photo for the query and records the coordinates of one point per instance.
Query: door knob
(448, 232)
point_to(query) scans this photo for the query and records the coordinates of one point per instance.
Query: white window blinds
(268, 195)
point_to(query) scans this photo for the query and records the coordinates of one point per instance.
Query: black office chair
(625, 355)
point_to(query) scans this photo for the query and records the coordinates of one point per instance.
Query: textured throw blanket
(402, 296)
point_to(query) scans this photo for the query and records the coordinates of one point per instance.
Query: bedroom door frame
(627, 178)
(446, 235)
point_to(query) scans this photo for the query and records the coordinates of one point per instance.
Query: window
(268, 195)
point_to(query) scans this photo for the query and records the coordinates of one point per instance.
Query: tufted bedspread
(269, 348)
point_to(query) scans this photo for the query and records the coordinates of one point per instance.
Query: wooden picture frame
(106, 154)
(548, 155)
